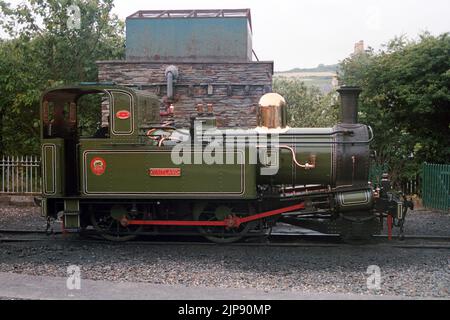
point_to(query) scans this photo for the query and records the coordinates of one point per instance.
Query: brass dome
(272, 111)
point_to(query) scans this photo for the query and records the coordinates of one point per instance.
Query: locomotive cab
(87, 114)
(69, 115)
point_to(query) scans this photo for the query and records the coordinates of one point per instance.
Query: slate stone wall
(234, 89)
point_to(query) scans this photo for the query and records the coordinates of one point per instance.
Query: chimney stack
(349, 103)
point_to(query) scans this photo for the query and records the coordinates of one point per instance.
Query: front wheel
(108, 224)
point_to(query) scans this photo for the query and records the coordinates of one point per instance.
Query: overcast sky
(304, 33)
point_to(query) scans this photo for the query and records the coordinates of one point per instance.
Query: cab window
(91, 120)
(59, 119)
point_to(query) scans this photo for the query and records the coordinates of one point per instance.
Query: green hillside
(320, 76)
(320, 68)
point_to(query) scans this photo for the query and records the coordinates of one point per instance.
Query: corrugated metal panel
(226, 39)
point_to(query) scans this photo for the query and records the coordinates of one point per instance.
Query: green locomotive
(137, 174)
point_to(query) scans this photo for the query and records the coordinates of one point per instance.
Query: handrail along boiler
(121, 180)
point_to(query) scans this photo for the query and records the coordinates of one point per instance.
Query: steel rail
(274, 240)
(18, 231)
(273, 234)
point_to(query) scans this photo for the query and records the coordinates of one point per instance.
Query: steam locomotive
(144, 175)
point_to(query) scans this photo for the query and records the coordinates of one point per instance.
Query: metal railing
(436, 186)
(20, 175)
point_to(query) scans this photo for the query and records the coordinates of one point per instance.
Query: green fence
(376, 171)
(436, 186)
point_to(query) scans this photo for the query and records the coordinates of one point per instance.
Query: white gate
(20, 175)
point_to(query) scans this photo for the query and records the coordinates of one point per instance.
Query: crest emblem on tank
(123, 114)
(98, 166)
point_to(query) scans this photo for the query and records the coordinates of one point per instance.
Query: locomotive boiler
(139, 174)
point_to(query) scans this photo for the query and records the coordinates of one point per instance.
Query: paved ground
(17, 286)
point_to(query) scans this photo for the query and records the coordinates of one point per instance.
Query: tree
(19, 98)
(405, 98)
(307, 106)
(46, 48)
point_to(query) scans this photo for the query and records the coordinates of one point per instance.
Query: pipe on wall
(171, 76)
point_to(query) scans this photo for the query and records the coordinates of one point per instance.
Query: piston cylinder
(354, 200)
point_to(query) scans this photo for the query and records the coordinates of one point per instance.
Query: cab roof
(84, 88)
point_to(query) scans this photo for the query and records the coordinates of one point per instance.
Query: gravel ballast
(21, 218)
(341, 269)
(408, 272)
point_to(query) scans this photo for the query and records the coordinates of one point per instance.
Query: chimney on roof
(359, 47)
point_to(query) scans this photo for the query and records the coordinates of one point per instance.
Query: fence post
(422, 187)
(3, 174)
(447, 181)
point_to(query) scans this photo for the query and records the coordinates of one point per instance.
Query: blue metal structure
(189, 36)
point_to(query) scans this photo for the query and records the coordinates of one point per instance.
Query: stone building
(190, 57)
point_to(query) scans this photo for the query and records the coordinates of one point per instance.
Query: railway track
(280, 239)
(16, 235)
